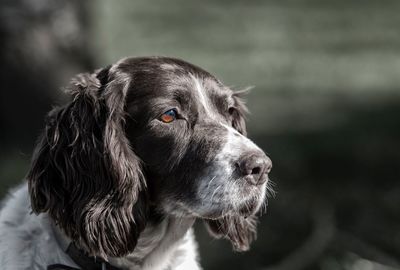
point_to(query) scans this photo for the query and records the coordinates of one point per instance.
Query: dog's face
(148, 131)
(190, 134)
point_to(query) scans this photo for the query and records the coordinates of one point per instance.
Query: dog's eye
(231, 110)
(168, 116)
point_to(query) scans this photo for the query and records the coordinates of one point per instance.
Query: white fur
(218, 186)
(202, 97)
(235, 144)
(29, 241)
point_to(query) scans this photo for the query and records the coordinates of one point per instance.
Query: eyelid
(171, 109)
(161, 109)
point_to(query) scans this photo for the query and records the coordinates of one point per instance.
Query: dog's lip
(250, 205)
(215, 215)
(240, 212)
(244, 211)
(222, 216)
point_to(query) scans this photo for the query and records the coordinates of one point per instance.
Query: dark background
(325, 107)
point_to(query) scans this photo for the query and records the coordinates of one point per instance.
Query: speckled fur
(28, 241)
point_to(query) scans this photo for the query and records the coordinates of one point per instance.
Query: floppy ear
(240, 231)
(84, 172)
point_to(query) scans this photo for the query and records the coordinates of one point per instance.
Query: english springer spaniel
(122, 171)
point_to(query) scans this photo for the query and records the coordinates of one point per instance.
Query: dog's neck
(157, 243)
(160, 240)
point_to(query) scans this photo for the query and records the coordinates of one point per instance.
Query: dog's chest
(158, 246)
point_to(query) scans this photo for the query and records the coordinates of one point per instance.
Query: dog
(121, 172)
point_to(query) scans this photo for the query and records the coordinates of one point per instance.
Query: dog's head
(146, 133)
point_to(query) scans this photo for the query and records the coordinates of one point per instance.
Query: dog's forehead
(206, 95)
(201, 87)
(167, 78)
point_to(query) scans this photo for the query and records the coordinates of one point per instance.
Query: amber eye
(168, 116)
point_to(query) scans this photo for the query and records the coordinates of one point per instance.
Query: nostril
(256, 170)
(253, 165)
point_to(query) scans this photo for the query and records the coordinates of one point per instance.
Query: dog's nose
(255, 167)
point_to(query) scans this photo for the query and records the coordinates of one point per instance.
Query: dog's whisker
(215, 191)
(209, 183)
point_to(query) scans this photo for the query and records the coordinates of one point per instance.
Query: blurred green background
(325, 107)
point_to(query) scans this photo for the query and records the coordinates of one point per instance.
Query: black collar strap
(83, 261)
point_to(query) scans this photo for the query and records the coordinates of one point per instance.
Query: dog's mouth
(245, 203)
(245, 211)
(250, 208)
(217, 196)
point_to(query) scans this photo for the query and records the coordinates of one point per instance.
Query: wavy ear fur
(84, 172)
